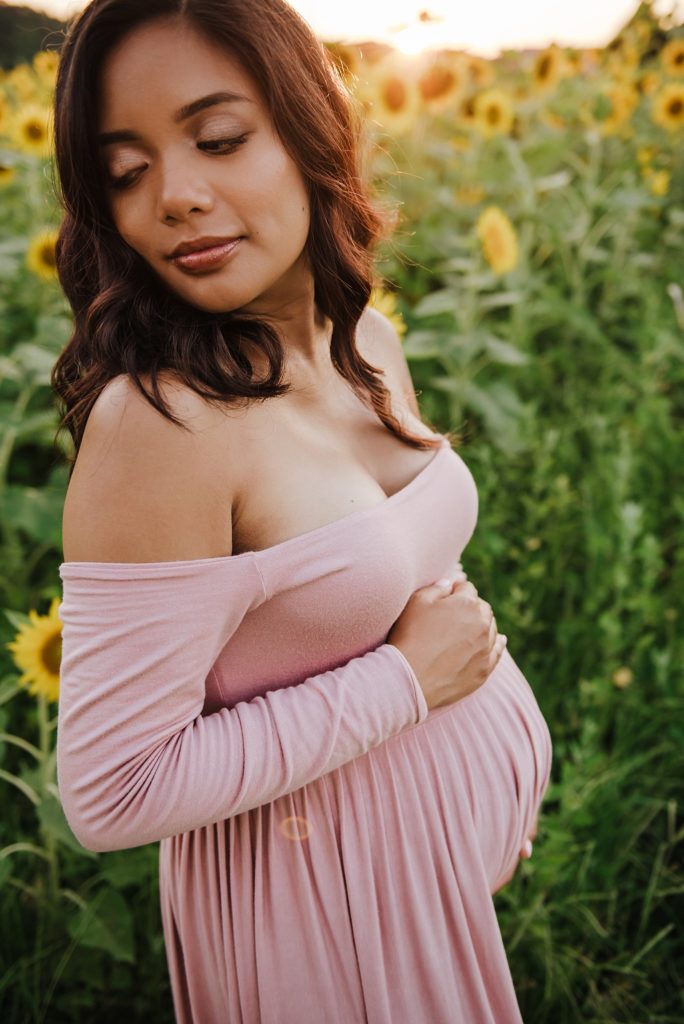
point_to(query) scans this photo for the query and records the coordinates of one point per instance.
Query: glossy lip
(200, 243)
(206, 259)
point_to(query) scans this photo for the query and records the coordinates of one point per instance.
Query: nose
(182, 191)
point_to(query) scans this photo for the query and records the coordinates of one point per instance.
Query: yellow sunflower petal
(40, 257)
(498, 239)
(667, 106)
(31, 130)
(37, 651)
(7, 174)
(386, 302)
(672, 57)
(494, 113)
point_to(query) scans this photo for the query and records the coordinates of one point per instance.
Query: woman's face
(219, 171)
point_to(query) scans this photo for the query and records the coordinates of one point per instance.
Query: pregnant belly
(489, 756)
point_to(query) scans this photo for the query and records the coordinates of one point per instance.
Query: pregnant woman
(272, 662)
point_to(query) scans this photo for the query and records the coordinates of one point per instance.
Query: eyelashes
(221, 147)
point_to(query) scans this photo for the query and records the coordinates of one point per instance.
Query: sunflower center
(436, 82)
(493, 115)
(52, 654)
(47, 255)
(676, 107)
(544, 67)
(395, 94)
(34, 130)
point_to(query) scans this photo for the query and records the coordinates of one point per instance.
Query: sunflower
(645, 154)
(23, 83)
(440, 81)
(658, 181)
(7, 174)
(40, 257)
(548, 68)
(469, 195)
(672, 57)
(4, 114)
(386, 302)
(31, 130)
(37, 651)
(45, 64)
(391, 94)
(493, 112)
(648, 82)
(622, 57)
(479, 71)
(616, 102)
(498, 239)
(668, 106)
(624, 98)
(465, 115)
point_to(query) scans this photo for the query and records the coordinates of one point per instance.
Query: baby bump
(492, 751)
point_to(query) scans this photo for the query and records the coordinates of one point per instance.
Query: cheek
(279, 178)
(131, 228)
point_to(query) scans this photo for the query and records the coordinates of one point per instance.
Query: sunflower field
(536, 278)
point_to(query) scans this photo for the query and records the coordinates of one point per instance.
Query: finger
(526, 851)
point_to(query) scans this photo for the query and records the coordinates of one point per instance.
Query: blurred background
(534, 153)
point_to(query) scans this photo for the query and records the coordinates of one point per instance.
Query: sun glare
(410, 40)
(418, 36)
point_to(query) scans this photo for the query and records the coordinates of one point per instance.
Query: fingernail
(526, 851)
(443, 583)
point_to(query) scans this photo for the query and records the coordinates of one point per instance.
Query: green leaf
(128, 867)
(445, 300)
(504, 352)
(106, 923)
(52, 817)
(499, 299)
(501, 411)
(5, 870)
(35, 510)
(421, 345)
(9, 688)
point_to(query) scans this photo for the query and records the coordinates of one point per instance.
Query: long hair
(127, 321)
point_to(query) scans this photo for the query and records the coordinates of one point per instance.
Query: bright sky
(481, 28)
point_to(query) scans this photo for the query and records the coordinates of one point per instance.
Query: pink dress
(328, 848)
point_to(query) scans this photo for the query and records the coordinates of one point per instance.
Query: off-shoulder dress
(329, 848)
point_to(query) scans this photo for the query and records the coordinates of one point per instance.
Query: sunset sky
(483, 28)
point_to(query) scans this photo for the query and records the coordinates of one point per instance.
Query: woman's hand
(448, 635)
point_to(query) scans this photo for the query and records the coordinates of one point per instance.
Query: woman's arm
(146, 611)
(137, 761)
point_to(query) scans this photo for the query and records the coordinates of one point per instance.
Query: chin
(211, 302)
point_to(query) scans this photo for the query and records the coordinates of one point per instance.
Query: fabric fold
(138, 761)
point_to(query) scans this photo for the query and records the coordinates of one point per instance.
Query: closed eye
(220, 146)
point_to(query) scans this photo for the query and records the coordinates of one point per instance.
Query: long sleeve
(137, 761)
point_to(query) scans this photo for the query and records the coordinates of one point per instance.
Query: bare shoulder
(379, 343)
(144, 489)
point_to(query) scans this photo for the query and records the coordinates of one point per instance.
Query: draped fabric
(329, 848)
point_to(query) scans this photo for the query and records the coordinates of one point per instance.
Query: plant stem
(49, 838)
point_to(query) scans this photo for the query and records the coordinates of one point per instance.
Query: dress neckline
(353, 517)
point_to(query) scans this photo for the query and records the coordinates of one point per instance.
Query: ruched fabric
(329, 848)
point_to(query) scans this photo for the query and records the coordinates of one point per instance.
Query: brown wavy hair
(126, 321)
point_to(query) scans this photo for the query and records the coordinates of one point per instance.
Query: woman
(338, 755)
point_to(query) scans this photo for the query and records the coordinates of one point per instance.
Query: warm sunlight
(413, 39)
(483, 29)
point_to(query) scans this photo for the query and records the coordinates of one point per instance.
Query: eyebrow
(125, 135)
